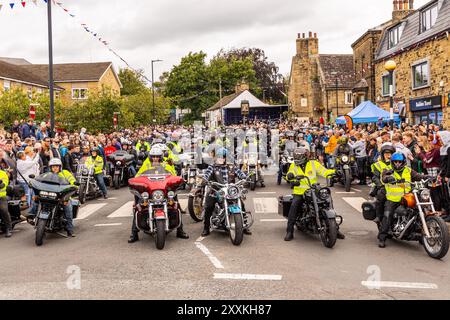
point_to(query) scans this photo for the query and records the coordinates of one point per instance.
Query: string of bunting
(14, 4)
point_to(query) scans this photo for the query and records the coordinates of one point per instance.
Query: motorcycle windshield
(51, 182)
(157, 172)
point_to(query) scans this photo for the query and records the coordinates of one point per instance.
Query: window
(40, 91)
(79, 94)
(395, 35)
(7, 85)
(30, 92)
(421, 75)
(385, 84)
(348, 97)
(428, 18)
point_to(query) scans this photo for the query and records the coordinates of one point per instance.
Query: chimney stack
(402, 8)
(310, 34)
(315, 35)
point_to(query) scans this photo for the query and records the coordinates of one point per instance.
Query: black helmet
(388, 148)
(96, 149)
(398, 161)
(301, 156)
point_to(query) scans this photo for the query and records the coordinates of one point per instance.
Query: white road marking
(273, 220)
(357, 190)
(124, 211)
(101, 199)
(88, 210)
(355, 202)
(405, 285)
(183, 203)
(238, 276)
(266, 193)
(108, 225)
(200, 239)
(265, 205)
(210, 256)
(345, 192)
(183, 195)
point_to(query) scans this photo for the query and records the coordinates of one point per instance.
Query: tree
(132, 81)
(14, 105)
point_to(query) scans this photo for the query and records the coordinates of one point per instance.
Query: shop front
(427, 110)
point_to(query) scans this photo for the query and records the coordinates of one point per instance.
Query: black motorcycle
(317, 214)
(346, 171)
(120, 170)
(17, 203)
(52, 194)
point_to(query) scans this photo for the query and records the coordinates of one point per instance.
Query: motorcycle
(188, 170)
(317, 214)
(287, 159)
(345, 171)
(228, 214)
(17, 202)
(52, 194)
(251, 166)
(121, 163)
(88, 185)
(156, 211)
(416, 220)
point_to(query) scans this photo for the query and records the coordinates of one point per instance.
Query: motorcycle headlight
(425, 195)
(46, 194)
(118, 163)
(145, 196)
(324, 193)
(344, 158)
(158, 196)
(171, 194)
(233, 192)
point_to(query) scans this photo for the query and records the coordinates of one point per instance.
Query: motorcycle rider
(219, 172)
(303, 166)
(128, 147)
(378, 191)
(251, 144)
(4, 214)
(155, 160)
(287, 147)
(397, 183)
(56, 165)
(97, 162)
(142, 145)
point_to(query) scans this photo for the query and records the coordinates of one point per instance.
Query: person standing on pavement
(359, 148)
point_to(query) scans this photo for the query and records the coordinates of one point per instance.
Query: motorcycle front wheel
(195, 208)
(236, 229)
(328, 234)
(253, 183)
(437, 246)
(82, 193)
(160, 237)
(40, 232)
(348, 180)
(116, 182)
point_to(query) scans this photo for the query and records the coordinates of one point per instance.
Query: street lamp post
(153, 91)
(337, 98)
(50, 67)
(390, 67)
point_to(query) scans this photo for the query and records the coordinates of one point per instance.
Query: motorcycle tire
(40, 232)
(192, 210)
(348, 180)
(160, 237)
(236, 234)
(253, 183)
(82, 194)
(437, 227)
(329, 235)
(116, 182)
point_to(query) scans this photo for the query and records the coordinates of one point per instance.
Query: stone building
(320, 84)
(419, 43)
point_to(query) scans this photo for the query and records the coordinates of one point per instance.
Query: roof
(73, 72)
(233, 101)
(17, 73)
(15, 61)
(411, 35)
(361, 84)
(342, 64)
(377, 29)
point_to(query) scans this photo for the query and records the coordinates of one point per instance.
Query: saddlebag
(284, 205)
(369, 210)
(75, 207)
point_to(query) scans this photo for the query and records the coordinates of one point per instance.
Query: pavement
(100, 264)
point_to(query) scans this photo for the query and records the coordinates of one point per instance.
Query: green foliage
(14, 105)
(133, 82)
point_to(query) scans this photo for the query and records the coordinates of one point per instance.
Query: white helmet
(155, 152)
(55, 162)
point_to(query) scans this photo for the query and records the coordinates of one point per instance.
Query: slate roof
(14, 72)
(411, 35)
(342, 64)
(15, 61)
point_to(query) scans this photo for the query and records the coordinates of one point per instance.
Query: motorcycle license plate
(234, 209)
(192, 174)
(346, 166)
(44, 215)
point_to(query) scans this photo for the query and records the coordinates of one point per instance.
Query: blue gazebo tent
(367, 112)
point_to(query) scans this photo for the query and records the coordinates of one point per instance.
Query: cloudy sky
(168, 29)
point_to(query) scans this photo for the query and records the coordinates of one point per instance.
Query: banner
(349, 123)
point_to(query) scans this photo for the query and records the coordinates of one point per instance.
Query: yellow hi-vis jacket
(396, 191)
(312, 170)
(147, 165)
(97, 163)
(5, 179)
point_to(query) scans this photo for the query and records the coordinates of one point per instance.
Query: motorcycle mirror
(31, 176)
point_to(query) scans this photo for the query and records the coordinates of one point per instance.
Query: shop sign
(424, 104)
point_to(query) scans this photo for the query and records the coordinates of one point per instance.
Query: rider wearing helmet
(343, 148)
(219, 172)
(303, 166)
(97, 162)
(397, 183)
(4, 213)
(154, 160)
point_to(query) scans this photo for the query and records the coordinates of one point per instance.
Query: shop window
(421, 75)
(428, 18)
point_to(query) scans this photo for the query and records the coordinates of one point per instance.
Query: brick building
(320, 84)
(419, 43)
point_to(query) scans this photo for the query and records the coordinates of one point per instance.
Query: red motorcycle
(156, 209)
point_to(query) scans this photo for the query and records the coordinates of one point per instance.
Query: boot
(382, 244)
(206, 232)
(247, 232)
(340, 235)
(289, 236)
(133, 238)
(70, 234)
(8, 233)
(181, 234)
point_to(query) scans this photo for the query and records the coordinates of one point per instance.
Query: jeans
(28, 192)
(101, 183)
(133, 172)
(331, 161)
(4, 214)
(389, 209)
(68, 215)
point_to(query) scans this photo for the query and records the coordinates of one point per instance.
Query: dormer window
(394, 35)
(428, 17)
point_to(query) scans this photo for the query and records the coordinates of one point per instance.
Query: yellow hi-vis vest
(97, 163)
(380, 166)
(395, 192)
(5, 179)
(147, 165)
(313, 168)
